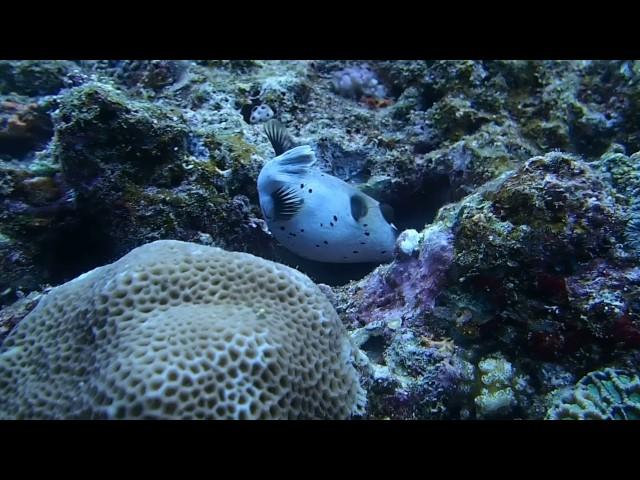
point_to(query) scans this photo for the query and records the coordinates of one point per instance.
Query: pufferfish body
(316, 215)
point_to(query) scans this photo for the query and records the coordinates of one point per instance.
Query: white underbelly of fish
(340, 241)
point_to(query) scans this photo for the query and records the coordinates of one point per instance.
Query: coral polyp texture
(608, 394)
(354, 82)
(500, 388)
(178, 330)
(261, 113)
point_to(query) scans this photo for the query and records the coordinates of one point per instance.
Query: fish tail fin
(295, 161)
(278, 136)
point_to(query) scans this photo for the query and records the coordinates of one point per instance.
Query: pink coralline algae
(406, 289)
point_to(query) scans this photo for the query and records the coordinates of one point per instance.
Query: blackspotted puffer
(316, 215)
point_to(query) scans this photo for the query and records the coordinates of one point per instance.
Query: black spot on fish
(362, 243)
(331, 223)
(310, 190)
(322, 225)
(335, 219)
(302, 185)
(367, 233)
(365, 225)
(281, 228)
(302, 230)
(355, 251)
(317, 245)
(358, 207)
(383, 252)
(326, 243)
(292, 234)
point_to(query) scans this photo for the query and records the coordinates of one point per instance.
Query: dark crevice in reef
(245, 111)
(332, 274)
(32, 137)
(75, 247)
(374, 348)
(417, 209)
(429, 96)
(18, 147)
(247, 108)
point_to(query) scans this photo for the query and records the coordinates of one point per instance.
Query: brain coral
(609, 394)
(179, 330)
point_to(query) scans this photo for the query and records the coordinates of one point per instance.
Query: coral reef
(11, 315)
(515, 185)
(178, 330)
(355, 82)
(405, 290)
(23, 126)
(608, 394)
(260, 114)
(533, 269)
(34, 77)
(523, 244)
(122, 176)
(500, 388)
(410, 377)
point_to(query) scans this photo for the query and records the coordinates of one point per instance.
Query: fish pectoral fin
(278, 136)
(266, 203)
(287, 202)
(358, 207)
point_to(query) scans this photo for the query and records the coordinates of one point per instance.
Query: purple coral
(407, 288)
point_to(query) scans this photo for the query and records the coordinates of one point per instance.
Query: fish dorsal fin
(278, 136)
(387, 212)
(358, 207)
(295, 161)
(286, 203)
